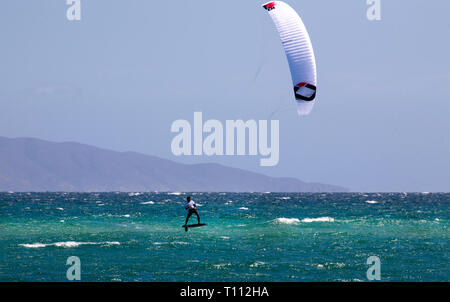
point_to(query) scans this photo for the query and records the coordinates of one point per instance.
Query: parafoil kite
(299, 52)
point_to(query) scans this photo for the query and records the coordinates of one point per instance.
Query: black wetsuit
(192, 211)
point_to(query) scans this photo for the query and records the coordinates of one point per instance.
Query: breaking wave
(287, 220)
(67, 244)
(319, 219)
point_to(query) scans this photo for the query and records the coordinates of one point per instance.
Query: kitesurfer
(192, 209)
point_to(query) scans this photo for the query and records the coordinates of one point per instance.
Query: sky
(120, 76)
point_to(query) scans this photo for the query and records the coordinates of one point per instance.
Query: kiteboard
(186, 227)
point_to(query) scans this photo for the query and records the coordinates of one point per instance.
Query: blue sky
(119, 77)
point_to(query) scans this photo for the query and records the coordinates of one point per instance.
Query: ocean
(248, 237)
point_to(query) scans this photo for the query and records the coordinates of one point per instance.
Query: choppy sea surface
(248, 237)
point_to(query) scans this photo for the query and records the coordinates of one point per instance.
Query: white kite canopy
(299, 53)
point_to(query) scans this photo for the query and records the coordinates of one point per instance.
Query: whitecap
(61, 209)
(68, 244)
(111, 243)
(134, 194)
(287, 220)
(175, 193)
(319, 219)
(148, 202)
(257, 263)
(180, 242)
(33, 245)
(219, 266)
(243, 208)
(371, 201)
(335, 264)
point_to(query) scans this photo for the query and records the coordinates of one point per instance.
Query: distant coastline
(34, 165)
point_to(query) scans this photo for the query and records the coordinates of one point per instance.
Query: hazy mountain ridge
(28, 164)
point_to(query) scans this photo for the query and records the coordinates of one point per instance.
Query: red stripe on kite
(269, 5)
(301, 84)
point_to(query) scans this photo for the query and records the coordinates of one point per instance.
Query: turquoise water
(249, 237)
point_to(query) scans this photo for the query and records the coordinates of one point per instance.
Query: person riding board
(192, 209)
